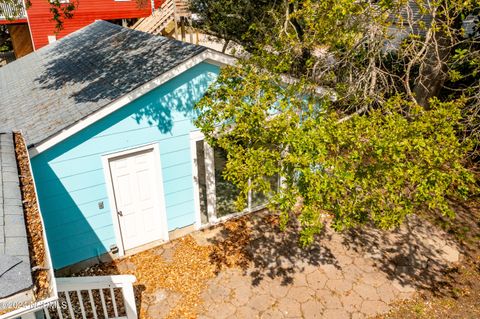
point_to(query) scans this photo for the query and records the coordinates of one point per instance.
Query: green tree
(5, 41)
(241, 21)
(357, 121)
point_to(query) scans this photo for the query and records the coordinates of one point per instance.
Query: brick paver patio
(350, 275)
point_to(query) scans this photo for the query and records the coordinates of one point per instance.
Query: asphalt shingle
(55, 87)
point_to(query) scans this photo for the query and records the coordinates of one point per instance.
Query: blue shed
(107, 113)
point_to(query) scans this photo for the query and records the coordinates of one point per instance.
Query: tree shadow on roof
(103, 62)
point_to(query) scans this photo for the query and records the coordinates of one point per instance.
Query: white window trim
(111, 194)
(210, 183)
(196, 136)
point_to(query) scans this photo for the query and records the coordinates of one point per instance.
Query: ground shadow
(465, 227)
(413, 255)
(256, 245)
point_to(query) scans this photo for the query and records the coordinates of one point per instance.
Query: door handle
(120, 213)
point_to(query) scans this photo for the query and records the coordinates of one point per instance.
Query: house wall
(86, 12)
(70, 178)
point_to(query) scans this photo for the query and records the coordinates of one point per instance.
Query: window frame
(212, 217)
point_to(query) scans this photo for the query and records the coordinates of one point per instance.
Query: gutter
(37, 305)
(48, 258)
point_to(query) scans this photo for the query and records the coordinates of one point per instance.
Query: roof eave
(209, 56)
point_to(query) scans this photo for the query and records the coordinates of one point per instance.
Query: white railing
(12, 11)
(109, 297)
(95, 297)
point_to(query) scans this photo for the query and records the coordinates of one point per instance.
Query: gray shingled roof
(15, 271)
(60, 84)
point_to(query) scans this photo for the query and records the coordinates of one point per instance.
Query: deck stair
(169, 11)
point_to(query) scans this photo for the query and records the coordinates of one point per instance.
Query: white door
(138, 198)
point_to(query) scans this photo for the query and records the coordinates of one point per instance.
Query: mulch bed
(185, 273)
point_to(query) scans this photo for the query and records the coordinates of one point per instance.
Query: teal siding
(70, 178)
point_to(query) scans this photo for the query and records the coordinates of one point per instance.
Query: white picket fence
(108, 297)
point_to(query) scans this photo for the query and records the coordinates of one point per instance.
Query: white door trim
(111, 194)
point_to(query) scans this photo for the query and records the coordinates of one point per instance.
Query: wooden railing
(13, 11)
(109, 297)
(158, 20)
(182, 8)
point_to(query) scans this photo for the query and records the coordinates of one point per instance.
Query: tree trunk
(433, 71)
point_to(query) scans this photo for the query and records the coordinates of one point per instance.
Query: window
(226, 192)
(259, 200)
(201, 181)
(216, 195)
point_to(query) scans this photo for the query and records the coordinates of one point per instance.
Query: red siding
(87, 11)
(4, 21)
(157, 3)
